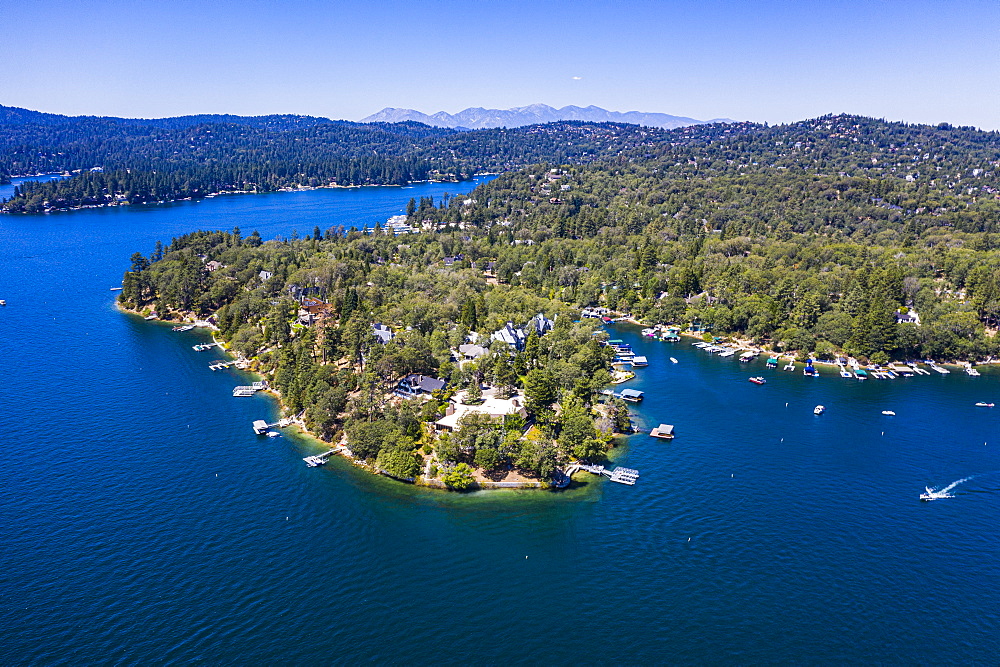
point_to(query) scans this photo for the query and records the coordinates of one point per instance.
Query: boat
(973, 372)
(3, 302)
(758, 380)
(889, 412)
(116, 289)
(273, 434)
(672, 360)
(818, 410)
(983, 404)
(931, 494)
(844, 373)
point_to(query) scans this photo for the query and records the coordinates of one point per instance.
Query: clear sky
(763, 60)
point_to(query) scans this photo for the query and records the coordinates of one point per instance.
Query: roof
(508, 334)
(471, 350)
(423, 382)
(665, 428)
(492, 406)
(631, 392)
(382, 332)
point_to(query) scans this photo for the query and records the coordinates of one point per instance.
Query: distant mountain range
(477, 117)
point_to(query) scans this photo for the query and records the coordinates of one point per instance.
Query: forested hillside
(117, 161)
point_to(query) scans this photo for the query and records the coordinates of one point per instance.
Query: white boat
(931, 494)
(818, 410)
(984, 404)
(889, 412)
(672, 360)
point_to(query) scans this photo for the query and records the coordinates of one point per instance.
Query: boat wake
(931, 493)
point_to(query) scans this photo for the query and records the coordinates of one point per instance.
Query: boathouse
(631, 395)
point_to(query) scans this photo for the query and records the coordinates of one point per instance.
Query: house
(496, 408)
(314, 306)
(540, 323)
(213, 265)
(382, 333)
(471, 352)
(595, 313)
(414, 385)
(909, 317)
(511, 336)
(451, 261)
(265, 276)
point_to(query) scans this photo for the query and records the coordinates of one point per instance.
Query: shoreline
(212, 195)
(338, 448)
(743, 344)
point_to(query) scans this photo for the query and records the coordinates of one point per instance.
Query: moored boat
(819, 409)
(984, 404)
(889, 412)
(758, 380)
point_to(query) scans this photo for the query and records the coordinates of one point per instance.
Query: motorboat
(758, 380)
(672, 360)
(818, 410)
(889, 412)
(981, 404)
(931, 494)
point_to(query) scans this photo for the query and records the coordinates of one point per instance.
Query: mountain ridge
(480, 118)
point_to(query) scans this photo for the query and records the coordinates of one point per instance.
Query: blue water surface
(144, 522)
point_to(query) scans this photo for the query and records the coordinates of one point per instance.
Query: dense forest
(839, 235)
(116, 161)
(340, 378)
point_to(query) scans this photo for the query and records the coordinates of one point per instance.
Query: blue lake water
(143, 521)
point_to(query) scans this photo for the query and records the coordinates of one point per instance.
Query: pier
(221, 364)
(249, 390)
(319, 459)
(621, 475)
(260, 426)
(205, 346)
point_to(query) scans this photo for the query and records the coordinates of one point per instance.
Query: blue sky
(769, 61)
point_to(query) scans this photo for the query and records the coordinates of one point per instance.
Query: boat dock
(249, 390)
(260, 427)
(205, 346)
(665, 431)
(221, 364)
(319, 459)
(621, 475)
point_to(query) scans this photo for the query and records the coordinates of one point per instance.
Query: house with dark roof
(415, 385)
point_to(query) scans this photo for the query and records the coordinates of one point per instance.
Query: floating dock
(621, 475)
(221, 364)
(204, 346)
(249, 390)
(665, 431)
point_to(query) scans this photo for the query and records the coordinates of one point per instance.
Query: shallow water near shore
(144, 521)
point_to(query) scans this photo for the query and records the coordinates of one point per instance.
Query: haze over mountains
(478, 118)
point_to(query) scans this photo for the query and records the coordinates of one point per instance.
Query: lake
(143, 521)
